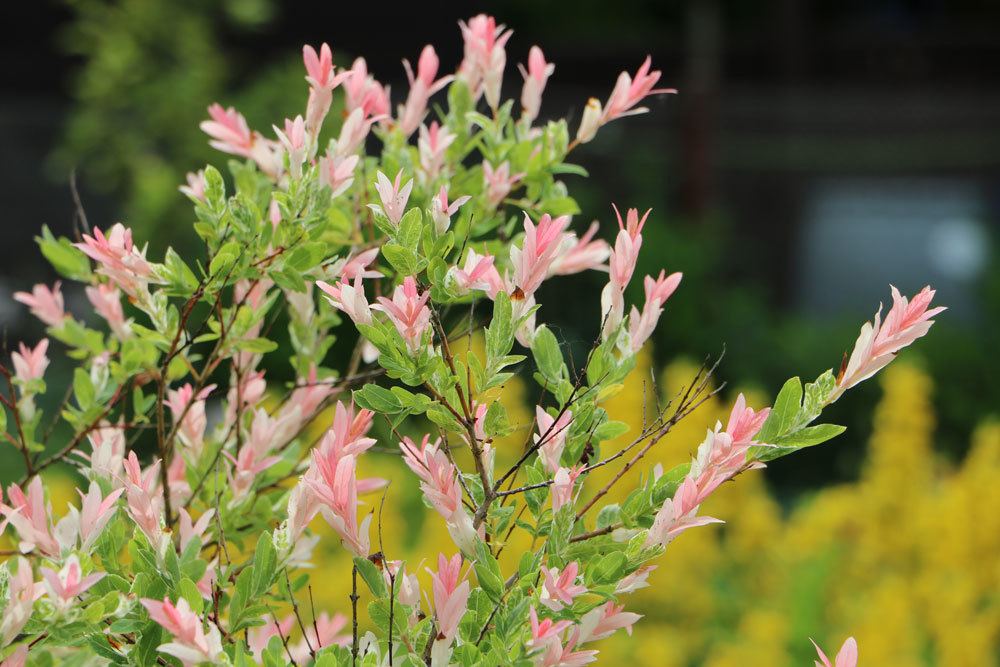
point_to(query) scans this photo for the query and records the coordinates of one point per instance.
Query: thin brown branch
(298, 618)
(11, 402)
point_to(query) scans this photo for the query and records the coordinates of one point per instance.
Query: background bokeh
(817, 151)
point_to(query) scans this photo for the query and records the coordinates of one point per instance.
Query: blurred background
(817, 152)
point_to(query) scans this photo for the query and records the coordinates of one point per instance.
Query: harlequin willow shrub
(213, 531)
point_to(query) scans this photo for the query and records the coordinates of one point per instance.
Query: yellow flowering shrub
(907, 558)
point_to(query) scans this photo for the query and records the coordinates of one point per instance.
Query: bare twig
(281, 635)
(689, 403)
(595, 533)
(79, 215)
(354, 615)
(298, 618)
(312, 612)
(392, 575)
(11, 402)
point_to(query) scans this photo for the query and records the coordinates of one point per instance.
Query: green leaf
(609, 569)
(811, 435)
(145, 648)
(65, 258)
(529, 564)
(500, 333)
(383, 222)
(560, 533)
(560, 206)
(252, 616)
(441, 416)
(403, 260)
(264, 565)
(610, 430)
(496, 423)
(567, 168)
(460, 99)
(189, 591)
(178, 275)
(289, 280)
(83, 388)
(608, 516)
(335, 656)
(224, 260)
(378, 399)
(469, 655)
(99, 644)
(273, 654)
(806, 437)
(123, 625)
(410, 229)
(137, 354)
(240, 656)
(816, 396)
(488, 572)
(548, 356)
(668, 482)
(215, 189)
(306, 256)
(372, 577)
(414, 403)
(172, 566)
(535, 498)
(783, 414)
(257, 345)
(243, 593)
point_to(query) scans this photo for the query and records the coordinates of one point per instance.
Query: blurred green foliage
(148, 71)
